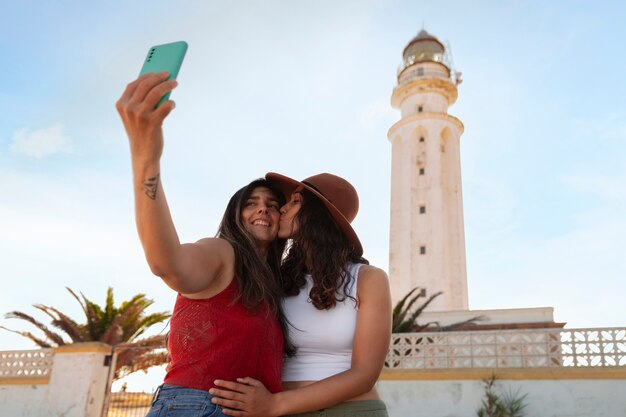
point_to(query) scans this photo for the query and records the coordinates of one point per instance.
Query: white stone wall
(545, 398)
(76, 386)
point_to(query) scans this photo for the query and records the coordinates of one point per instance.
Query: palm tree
(405, 320)
(507, 404)
(117, 326)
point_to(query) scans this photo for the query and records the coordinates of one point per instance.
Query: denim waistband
(170, 391)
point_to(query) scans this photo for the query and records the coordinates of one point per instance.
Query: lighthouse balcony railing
(520, 348)
(421, 73)
(425, 57)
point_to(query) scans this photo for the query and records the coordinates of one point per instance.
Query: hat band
(314, 187)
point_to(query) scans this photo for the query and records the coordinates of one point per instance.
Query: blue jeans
(173, 401)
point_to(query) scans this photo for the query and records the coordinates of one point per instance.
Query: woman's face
(260, 215)
(288, 212)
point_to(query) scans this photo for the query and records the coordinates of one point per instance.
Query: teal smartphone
(167, 57)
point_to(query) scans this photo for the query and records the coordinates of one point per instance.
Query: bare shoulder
(372, 280)
(216, 244)
(372, 273)
(212, 267)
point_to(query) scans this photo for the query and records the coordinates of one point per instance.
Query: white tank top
(324, 338)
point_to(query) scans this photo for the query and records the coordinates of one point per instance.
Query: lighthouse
(427, 238)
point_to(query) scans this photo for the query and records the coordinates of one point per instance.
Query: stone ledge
(87, 347)
(24, 381)
(503, 373)
(509, 316)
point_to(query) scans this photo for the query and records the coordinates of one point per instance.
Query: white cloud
(42, 142)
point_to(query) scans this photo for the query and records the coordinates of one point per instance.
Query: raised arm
(373, 333)
(186, 268)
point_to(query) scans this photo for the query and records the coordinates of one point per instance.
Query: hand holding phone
(167, 57)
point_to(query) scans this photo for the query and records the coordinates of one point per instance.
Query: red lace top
(214, 339)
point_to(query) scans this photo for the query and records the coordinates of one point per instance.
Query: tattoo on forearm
(151, 185)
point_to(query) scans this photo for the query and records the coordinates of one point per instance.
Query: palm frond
(94, 319)
(131, 361)
(54, 337)
(422, 307)
(157, 341)
(455, 326)
(139, 299)
(109, 308)
(117, 331)
(39, 342)
(402, 324)
(405, 317)
(400, 311)
(147, 322)
(74, 330)
(84, 307)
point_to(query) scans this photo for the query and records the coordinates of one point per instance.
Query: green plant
(506, 404)
(119, 326)
(405, 320)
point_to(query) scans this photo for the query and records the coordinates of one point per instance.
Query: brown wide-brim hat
(337, 194)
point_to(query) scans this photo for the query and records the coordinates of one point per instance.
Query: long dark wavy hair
(319, 238)
(259, 280)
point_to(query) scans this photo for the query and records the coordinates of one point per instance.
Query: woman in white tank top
(339, 309)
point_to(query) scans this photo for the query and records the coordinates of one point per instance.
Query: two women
(228, 317)
(338, 307)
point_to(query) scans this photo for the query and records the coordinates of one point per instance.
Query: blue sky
(300, 88)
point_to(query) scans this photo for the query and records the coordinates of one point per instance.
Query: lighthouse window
(422, 209)
(422, 138)
(420, 72)
(420, 109)
(421, 171)
(422, 250)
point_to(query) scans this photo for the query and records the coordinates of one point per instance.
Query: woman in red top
(227, 321)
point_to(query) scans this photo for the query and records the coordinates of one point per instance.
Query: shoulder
(214, 267)
(370, 272)
(216, 246)
(372, 280)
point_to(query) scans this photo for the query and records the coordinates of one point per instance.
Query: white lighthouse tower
(427, 239)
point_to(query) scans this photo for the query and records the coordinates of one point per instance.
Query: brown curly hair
(259, 280)
(329, 251)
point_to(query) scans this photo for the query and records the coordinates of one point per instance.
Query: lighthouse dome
(424, 48)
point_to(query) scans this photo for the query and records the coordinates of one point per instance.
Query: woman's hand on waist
(246, 397)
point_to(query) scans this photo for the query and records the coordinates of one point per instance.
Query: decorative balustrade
(25, 364)
(521, 348)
